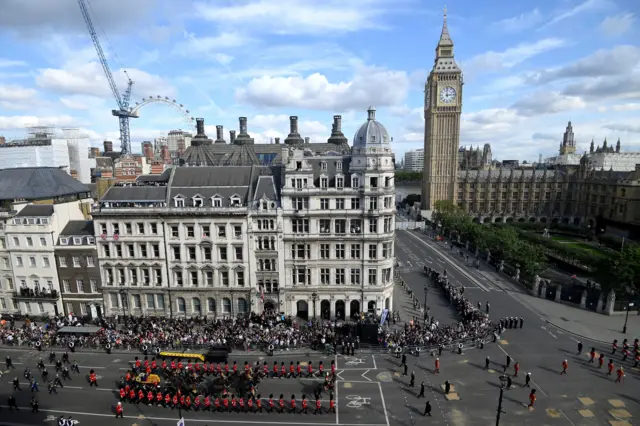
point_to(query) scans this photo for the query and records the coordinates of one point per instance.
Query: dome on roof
(372, 132)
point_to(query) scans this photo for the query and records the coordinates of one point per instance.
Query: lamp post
(124, 301)
(314, 296)
(425, 296)
(626, 318)
(503, 380)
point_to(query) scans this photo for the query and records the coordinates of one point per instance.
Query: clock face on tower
(447, 95)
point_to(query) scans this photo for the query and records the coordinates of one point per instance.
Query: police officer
(16, 384)
(57, 381)
(527, 380)
(406, 367)
(65, 373)
(404, 358)
(51, 387)
(412, 381)
(34, 385)
(45, 374)
(34, 405)
(487, 362)
(11, 402)
(427, 409)
(421, 394)
(52, 356)
(579, 348)
(75, 368)
(65, 357)
(9, 363)
(447, 387)
(58, 365)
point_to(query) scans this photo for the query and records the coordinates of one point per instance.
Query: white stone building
(36, 204)
(414, 160)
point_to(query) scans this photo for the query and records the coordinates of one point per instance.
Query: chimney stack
(337, 124)
(200, 126)
(306, 140)
(294, 137)
(337, 137)
(108, 146)
(293, 124)
(243, 125)
(219, 134)
(277, 141)
(232, 136)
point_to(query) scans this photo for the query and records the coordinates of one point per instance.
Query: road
(538, 348)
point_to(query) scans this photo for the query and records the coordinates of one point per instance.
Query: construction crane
(123, 112)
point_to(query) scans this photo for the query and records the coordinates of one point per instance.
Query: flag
(180, 422)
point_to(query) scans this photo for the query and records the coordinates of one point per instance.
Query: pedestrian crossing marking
(464, 361)
(619, 423)
(586, 401)
(303, 363)
(347, 385)
(491, 371)
(616, 403)
(620, 413)
(452, 396)
(552, 412)
(141, 416)
(587, 414)
(504, 342)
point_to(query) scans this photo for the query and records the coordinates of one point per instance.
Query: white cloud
(20, 122)
(547, 103)
(16, 93)
(621, 127)
(621, 107)
(374, 86)
(509, 58)
(89, 79)
(615, 26)
(83, 103)
(9, 63)
(209, 46)
(281, 121)
(296, 16)
(521, 22)
(585, 6)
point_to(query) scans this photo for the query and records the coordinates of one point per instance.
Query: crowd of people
(268, 329)
(426, 332)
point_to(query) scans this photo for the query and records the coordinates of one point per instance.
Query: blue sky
(529, 67)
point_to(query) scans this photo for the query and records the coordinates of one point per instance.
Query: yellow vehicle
(148, 379)
(218, 355)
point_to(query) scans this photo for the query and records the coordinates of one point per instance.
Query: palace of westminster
(306, 229)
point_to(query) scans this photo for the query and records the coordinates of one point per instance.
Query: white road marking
(384, 405)
(337, 405)
(565, 416)
(365, 375)
(552, 335)
(534, 383)
(373, 358)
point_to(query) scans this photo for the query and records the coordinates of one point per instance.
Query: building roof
(37, 183)
(36, 210)
(372, 133)
(78, 228)
(163, 177)
(132, 194)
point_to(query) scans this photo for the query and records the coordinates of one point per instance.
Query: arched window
(211, 305)
(226, 305)
(242, 306)
(197, 308)
(182, 306)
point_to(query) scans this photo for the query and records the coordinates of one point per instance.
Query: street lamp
(124, 301)
(503, 381)
(425, 296)
(314, 296)
(626, 318)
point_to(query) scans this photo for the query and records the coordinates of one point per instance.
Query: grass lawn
(579, 244)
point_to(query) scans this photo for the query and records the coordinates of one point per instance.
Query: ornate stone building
(442, 109)
(474, 159)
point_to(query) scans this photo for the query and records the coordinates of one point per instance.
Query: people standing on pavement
(437, 366)
(592, 355)
(516, 368)
(579, 348)
(532, 399)
(565, 365)
(406, 367)
(487, 362)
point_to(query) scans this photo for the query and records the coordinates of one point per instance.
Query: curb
(576, 334)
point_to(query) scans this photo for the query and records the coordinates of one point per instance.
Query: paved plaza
(371, 388)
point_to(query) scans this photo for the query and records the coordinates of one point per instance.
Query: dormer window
(235, 201)
(198, 201)
(323, 165)
(178, 201)
(298, 165)
(373, 138)
(338, 166)
(339, 182)
(91, 240)
(216, 202)
(64, 241)
(355, 182)
(77, 241)
(265, 205)
(324, 182)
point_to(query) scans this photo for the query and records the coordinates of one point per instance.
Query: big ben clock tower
(442, 109)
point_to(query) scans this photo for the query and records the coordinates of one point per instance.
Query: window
(373, 251)
(143, 250)
(66, 286)
(222, 231)
(340, 276)
(340, 251)
(386, 250)
(355, 277)
(106, 250)
(156, 250)
(355, 226)
(373, 203)
(355, 204)
(131, 251)
(300, 203)
(178, 202)
(90, 262)
(43, 241)
(222, 253)
(300, 226)
(238, 253)
(116, 228)
(301, 251)
(191, 231)
(94, 286)
(197, 202)
(191, 253)
(324, 182)
(301, 276)
(175, 231)
(80, 286)
(226, 305)
(45, 262)
(30, 241)
(19, 260)
(339, 182)
(355, 251)
(373, 276)
(16, 242)
(62, 261)
(109, 276)
(325, 276)
(208, 276)
(206, 231)
(157, 276)
(76, 261)
(128, 229)
(160, 301)
(236, 201)
(32, 261)
(373, 226)
(355, 182)
(339, 203)
(216, 202)
(324, 204)
(206, 253)
(224, 278)
(150, 301)
(211, 305)
(118, 250)
(193, 278)
(140, 227)
(341, 226)
(237, 231)
(154, 228)
(134, 277)
(146, 277)
(324, 251)
(179, 279)
(182, 306)
(388, 225)
(323, 165)
(240, 278)
(325, 226)
(176, 252)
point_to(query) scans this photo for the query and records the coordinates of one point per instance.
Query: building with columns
(309, 237)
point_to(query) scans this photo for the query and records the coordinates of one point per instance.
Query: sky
(529, 67)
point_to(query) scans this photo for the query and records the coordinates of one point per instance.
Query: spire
(445, 38)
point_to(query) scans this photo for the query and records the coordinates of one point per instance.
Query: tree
(408, 176)
(622, 271)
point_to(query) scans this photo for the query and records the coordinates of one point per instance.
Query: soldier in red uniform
(137, 364)
(265, 369)
(180, 365)
(159, 398)
(304, 405)
(132, 395)
(318, 406)
(93, 379)
(333, 367)
(292, 370)
(182, 401)
(283, 370)
(600, 360)
(123, 394)
(189, 366)
(281, 403)
(298, 369)
(235, 368)
(614, 347)
(565, 366)
(167, 400)
(196, 403)
(610, 367)
(274, 373)
(146, 362)
(216, 404)
(164, 365)
(187, 402)
(149, 398)
(207, 403)
(173, 365)
(241, 404)
(321, 369)
(119, 411)
(271, 403)
(140, 396)
(250, 404)
(226, 368)
(234, 403)
(175, 401)
(154, 364)
(292, 407)
(259, 403)
(247, 369)
(309, 369)
(332, 405)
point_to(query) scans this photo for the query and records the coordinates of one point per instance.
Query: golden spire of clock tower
(445, 38)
